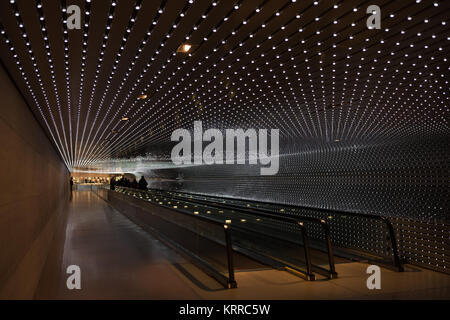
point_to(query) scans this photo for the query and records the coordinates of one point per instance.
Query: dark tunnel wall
(405, 180)
(35, 186)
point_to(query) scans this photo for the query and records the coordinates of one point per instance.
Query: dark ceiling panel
(310, 68)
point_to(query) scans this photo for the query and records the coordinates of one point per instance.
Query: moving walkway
(253, 233)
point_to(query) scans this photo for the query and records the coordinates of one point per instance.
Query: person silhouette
(143, 184)
(134, 184)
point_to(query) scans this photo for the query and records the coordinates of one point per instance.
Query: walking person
(143, 184)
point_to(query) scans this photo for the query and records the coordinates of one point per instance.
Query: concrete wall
(34, 190)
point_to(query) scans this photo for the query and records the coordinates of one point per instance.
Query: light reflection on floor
(118, 260)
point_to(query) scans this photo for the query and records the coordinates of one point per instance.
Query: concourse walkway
(118, 260)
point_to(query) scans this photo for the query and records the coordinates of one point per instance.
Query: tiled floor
(120, 261)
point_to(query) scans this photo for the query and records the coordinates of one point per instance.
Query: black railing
(395, 254)
(305, 274)
(227, 281)
(299, 220)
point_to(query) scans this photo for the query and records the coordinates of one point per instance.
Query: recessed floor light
(124, 119)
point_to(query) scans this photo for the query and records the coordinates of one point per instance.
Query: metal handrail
(230, 281)
(396, 258)
(308, 274)
(331, 273)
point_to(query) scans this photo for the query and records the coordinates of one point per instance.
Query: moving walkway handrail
(230, 280)
(308, 275)
(396, 258)
(305, 240)
(269, 214)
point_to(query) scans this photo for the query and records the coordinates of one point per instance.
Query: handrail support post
(229, 248)
(309, 273)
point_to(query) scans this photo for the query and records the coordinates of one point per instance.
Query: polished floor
(118, 260)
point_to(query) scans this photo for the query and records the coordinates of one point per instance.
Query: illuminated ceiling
(310, 68)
